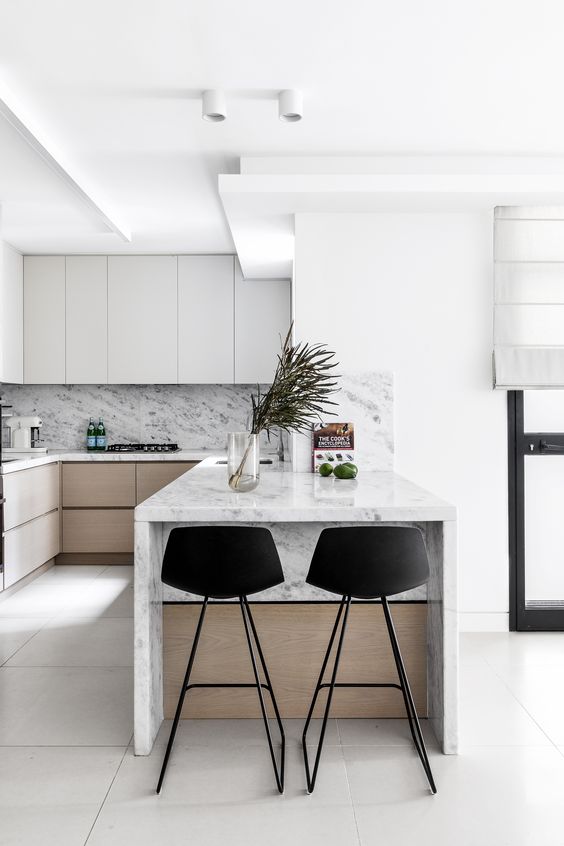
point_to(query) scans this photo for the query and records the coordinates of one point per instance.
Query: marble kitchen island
(296, 507)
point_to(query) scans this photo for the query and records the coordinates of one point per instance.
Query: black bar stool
(222, 562)
(367, 562)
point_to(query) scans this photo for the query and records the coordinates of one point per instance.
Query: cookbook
(332, 443)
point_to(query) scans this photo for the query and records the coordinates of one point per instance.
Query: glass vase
(243, 461)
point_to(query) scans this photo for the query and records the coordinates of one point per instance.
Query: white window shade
(529, 299)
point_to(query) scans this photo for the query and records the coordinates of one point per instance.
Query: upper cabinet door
(142, 320)
(11, 315)
(205, 319)
(87, 320)
(44, 320)
(262, 318)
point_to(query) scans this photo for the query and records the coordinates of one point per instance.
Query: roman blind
(529, 298)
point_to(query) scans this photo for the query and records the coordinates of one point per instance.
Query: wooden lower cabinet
(95, 522)
(294, 637)
(152, 477)
(29, 546)
(97, 530)
(98, 485)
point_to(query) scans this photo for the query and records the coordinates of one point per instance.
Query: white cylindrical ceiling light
(290, 105)
(214, 108)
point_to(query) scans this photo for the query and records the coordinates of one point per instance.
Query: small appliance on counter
(24, 434)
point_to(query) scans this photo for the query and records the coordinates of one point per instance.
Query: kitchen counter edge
(82, 456)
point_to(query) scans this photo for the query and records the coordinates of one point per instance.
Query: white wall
(11, 314)
(412, 293)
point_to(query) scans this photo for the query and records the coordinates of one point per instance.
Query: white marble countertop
(24, 461)
(204, 496)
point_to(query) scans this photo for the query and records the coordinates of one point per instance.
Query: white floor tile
(490, 715)
(372, 732)
(118, 571)
(15, 632)
(51, 795)
(228, 774)
(92, 598)
(66, 707)
(220, 733)
(540, 690)
(486, 797)
(70, 573)
(237, 824)
(79, 642)
(226, 796)
(515, 649)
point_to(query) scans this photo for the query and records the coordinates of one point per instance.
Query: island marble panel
(296, 507)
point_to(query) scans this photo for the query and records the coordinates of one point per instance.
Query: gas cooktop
(143, 448)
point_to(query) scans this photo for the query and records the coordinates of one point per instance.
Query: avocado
(343, 471)
(325, 469)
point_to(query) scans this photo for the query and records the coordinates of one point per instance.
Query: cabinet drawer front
(30, 493)
(152, 477)
(98, 530)
(28, 547)
(98, 485)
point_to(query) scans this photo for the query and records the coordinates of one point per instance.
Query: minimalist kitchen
(281, 425)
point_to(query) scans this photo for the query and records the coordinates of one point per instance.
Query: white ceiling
(116, 86)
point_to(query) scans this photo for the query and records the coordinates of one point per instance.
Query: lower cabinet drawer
(98, 530)
(29, 546)
(151, 477)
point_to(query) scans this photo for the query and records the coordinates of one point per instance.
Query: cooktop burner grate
(143, 448)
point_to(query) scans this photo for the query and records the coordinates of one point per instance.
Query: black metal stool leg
(182, 693)
(247, 618)
(269, 687)
(311, 779)
(412, 717)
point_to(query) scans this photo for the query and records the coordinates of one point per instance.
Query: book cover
(332, 443)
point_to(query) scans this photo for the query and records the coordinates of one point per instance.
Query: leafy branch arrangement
(302, 384)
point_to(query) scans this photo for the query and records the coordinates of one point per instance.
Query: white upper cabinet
(205, 319)
(11, 315)
(262, 318)
(138, 320)
(87, 320)
(44, 320)
(142, 320)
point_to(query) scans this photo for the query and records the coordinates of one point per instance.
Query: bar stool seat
(367, 563)
(225, 562)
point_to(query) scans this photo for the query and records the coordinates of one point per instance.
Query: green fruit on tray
(325, 469)
(345, 471)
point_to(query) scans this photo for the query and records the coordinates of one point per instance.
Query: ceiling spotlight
(290, 105)
(213, 106)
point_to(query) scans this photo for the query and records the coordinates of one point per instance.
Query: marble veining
(193, 416)
(365, 398)
(198, 416)
(203, 496)
(295, 507)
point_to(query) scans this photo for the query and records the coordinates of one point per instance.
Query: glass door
(536, 510)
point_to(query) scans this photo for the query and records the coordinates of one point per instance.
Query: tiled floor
(68, 775)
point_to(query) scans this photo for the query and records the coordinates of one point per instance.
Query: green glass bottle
(100, 435)
(91, 435)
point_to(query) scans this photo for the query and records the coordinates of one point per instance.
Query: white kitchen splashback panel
(367, 400)
(195, 416)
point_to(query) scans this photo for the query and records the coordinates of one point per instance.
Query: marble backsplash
(198, 416)
(193, 416)
(366, 399)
